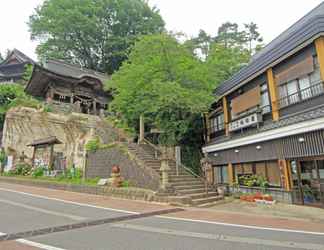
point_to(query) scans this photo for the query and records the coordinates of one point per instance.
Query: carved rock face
(115, 169)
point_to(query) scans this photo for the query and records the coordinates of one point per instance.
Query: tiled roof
(72, 70)
(48, 140)
(306, 28)
(11, 70)
(21, 57)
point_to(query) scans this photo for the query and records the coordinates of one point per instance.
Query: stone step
(199, 185)
(203, 195)
(204, 201)
(194, 191)
(183, 183)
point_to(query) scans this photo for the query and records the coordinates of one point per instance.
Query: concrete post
(165, 188)
(178, 158)
(141, 135)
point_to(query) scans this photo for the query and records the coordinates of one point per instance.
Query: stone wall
(99, 164)
(24, 125)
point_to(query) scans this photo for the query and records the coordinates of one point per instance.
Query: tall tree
(166, 85)
(95, 34)
(1, 58)
(200, 45)
(229, 35)
(223, 62)
(252, 35)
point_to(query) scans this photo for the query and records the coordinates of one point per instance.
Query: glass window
(304, 86)
(217, 123)
(265, 103)
(292, 91)
(220, 174)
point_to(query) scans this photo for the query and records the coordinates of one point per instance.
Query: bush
(21, 169)
(93, 145)
(38, 172)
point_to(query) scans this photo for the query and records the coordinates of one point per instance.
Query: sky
(188, 16)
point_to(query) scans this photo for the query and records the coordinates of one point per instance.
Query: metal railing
(301, 95)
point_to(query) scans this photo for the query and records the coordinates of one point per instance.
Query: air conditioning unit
(247, 121)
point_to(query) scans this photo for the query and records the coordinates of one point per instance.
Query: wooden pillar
(230, 172)
(273, 94)
(226, 115)
(284, 167)
(141, 135)
(33, 157)
(51, 161)
(319, 45)
(207, 124)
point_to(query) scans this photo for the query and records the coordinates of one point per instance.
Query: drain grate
(49, 230)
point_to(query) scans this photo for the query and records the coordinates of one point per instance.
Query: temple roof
(12, 70)
(308, 27)
(49, 140)
(42, 77)
(18, 56)
(64, 68)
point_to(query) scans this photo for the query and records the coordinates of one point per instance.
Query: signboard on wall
(244, 122)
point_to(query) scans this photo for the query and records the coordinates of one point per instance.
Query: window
(220, 174)
(265, 103)
(302, 88)
(217, 123)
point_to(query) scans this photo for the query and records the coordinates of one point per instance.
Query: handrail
(301, 95)
(157, 149)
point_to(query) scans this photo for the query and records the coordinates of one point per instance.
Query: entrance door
(308, 181)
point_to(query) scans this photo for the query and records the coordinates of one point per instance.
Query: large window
(302, 88)
(220, 174)
(217, 123)
(270, 170)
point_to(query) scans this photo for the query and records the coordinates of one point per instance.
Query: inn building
(268, 119)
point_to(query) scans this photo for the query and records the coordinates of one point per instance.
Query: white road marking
(220, 237)
(44, 211)
(39, 245)
(69, 202)
(168, 217)
(242, 226)
(35, 244)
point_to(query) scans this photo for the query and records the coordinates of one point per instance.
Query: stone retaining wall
(100, 162)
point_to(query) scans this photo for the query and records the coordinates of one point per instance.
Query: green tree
(229, 35)
(1, 58)
(96, 34)
(13, 95)
(163, 81)
(252, 35)
(200, 45)
(222, 62)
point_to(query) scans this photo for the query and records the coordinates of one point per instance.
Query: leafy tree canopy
(95, 34)
(12, 95)
(163, 81)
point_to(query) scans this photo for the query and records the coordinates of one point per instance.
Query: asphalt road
(20, 212)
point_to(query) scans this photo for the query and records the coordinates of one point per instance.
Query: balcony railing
(299, 96)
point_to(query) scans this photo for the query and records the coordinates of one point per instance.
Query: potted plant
(308, 194)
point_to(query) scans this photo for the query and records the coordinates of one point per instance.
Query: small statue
(115, 180)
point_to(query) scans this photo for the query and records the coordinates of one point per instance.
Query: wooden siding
(284, 148)
(246, 101)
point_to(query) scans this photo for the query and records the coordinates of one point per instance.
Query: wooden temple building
(69, 88)
(13, 67)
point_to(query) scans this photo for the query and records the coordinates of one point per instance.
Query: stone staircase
(184, 183)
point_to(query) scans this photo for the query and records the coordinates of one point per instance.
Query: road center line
(220, 237)
(169, 217)
(44, 211)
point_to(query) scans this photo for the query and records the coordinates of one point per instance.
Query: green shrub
(125, 184)
(93, 145)
(38, 172)
(21, 169)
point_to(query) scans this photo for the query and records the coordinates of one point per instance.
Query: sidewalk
(211, 215)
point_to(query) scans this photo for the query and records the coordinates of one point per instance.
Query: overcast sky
(188, 16)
